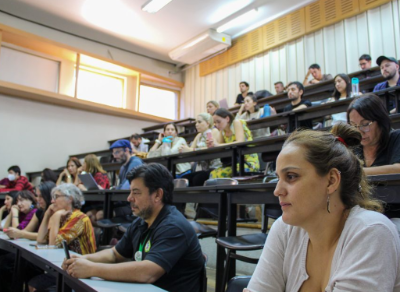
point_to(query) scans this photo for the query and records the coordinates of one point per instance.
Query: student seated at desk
(380, 145)
(249, 110)
(9, 201)
(295, 92)
(342, 91)
(331, 236)
(49, 175)
(162, 147)
(204, 127)
(43, 192)
(92, 165)
(17, 182)
(63, 220)
(160, 247)
(7, 262)
(212, 106)
(70, 173)
(232, 131)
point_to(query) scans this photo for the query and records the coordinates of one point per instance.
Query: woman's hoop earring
(327, 205)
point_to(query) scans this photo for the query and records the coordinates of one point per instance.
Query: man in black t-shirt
(244, 91)
(160, 247)
(295, 91)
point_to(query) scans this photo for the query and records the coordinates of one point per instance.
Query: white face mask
(11, 177)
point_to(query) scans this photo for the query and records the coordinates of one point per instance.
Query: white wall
(335, 48)
(36, 135)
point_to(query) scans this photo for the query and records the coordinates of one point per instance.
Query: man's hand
(80, 268)
(66, 263)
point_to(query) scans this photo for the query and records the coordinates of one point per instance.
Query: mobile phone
(209, 136)
(65, 246)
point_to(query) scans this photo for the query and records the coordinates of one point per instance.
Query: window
(158, 102)
(101, 87)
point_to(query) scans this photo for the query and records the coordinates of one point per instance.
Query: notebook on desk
(88, 181)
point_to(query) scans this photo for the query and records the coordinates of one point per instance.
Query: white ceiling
(132, 29)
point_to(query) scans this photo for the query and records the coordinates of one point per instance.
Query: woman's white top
(367, 257)
(166, 149)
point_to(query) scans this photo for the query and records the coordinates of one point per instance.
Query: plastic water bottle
(355, 87)
(267, 111)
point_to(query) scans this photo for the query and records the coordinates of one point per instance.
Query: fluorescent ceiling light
(153, 6)
(227, 9)
(238, 20)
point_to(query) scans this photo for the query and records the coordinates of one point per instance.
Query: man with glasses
(122, 152)
(365, 62)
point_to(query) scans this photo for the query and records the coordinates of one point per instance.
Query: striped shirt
(77, 230)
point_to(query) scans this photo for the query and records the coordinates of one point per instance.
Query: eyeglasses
(117, 152)
(363, 127)
(57, 196)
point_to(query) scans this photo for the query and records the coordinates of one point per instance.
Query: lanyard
(139, 253)
(141, 245)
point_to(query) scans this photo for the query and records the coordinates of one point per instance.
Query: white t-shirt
(367, 257)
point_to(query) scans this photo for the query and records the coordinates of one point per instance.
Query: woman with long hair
(70, 173)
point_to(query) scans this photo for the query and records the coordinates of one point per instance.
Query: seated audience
(365, 62)
(17, 182)
(92, 165)
(70, 173)
(63, 220)
(9, 201)
(160, 247)
(166, 146)
(244, 91)
(139, 144)
(331, 236)
(7, 262)
(205, 128)
(342, 91)
(43, 192)
(231, 131)
(212, 106)
(22, 213)
(295, 91)
(49, 175)
(390, 71)
(315, 71)
(249, 110)
(380, 145)
(279, 87)
(122, 153)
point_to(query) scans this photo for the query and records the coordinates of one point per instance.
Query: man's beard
(122, 160)
(145, 213)
(390, 76)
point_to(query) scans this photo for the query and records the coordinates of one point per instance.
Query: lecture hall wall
(37, 135)
(336, 48)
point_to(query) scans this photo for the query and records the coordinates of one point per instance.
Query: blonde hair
(215, 103)
(208, 118)
(93, 165)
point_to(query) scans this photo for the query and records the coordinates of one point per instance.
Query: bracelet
(158, 141)
(15, 216)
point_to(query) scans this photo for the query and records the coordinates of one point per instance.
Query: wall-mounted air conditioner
(200, 47)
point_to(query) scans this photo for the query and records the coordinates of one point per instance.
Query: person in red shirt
(17, 182)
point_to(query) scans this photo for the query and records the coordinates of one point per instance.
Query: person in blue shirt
(122, 152)
(390, 71)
